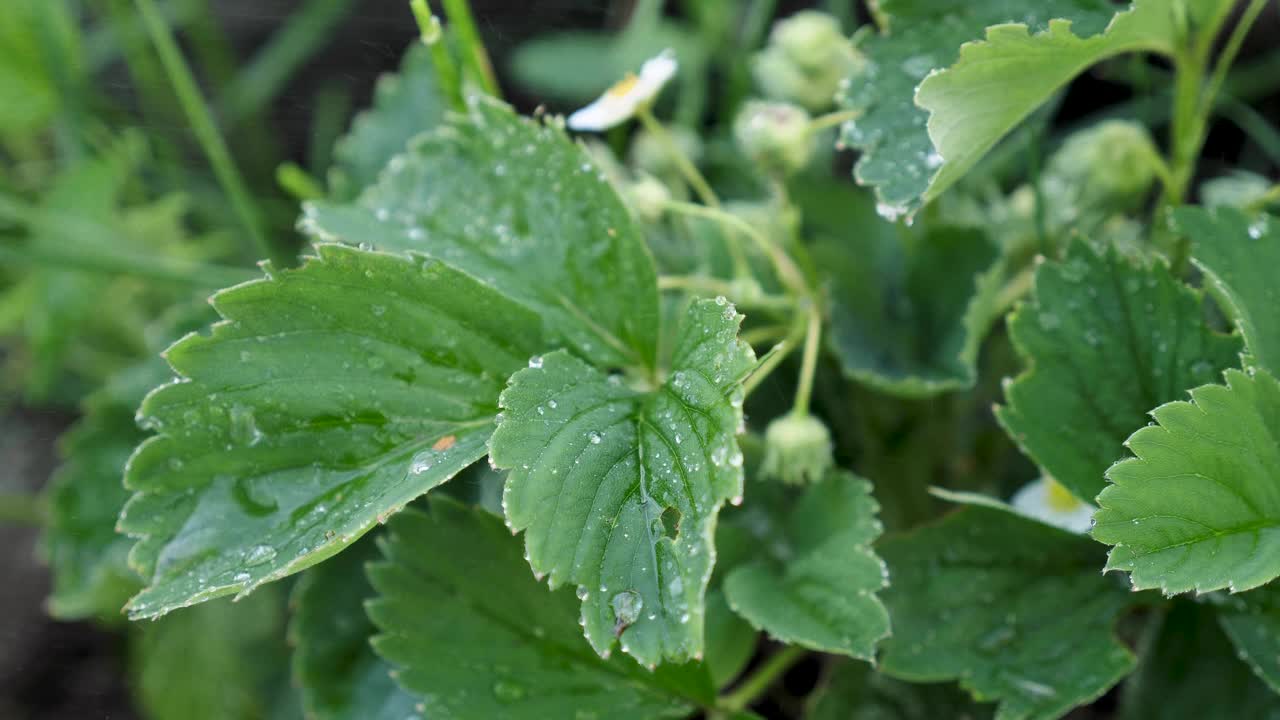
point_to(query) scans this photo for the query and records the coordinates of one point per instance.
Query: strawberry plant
(820, 365)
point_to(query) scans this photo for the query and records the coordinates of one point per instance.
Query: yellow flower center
(1059, 498)
(624, 86)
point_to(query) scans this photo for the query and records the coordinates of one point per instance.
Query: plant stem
(808, 361)
(22, 509)
(822, 122)
(772, 359)
(441, 59)
(786, 268)
(1193, 101)
(699, 283)
(762, 679)
(474, 54)
(686, 167)
(206, 132)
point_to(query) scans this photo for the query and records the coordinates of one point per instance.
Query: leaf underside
(998, 81)
(514, 648)
(617, 489)
(1014, 609)
(329, 397)
(898, 157)
(1105, 340)
(1198, 508)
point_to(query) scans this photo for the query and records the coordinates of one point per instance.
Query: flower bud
(774, 135)
(797, 449)
(1112, 164)
(809, 38)
(805, 62)
(648, 197)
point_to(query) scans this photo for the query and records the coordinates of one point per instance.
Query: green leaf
(339, 675)
(329, 397)
(1252, 622)
(908, 313)
(997, 82)
(89, 560)
(855, 691)
(1105, 340)
(477, 637)
(1198, 508)
(218, 661)
(1189, 672)
(1238, 258)
(618, 487)
(730, 641)
(517, 205)
(1012, 608)
(404, 104)
(816, 586)
(923, 36)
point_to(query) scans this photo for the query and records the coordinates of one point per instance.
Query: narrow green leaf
(516, 204)
(908, 314)
(997, 82)
(476, 636)
(1189, 671)
(1012, 608)
(817, 586)
(921, 37)
(404, 104)
(618, 488)
(218, 661)
(334, 665)
(1252, 622)
(1105, 340)
(329, 397)
(1198, 508)
(1238, 257)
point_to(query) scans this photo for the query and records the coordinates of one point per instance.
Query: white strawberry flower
(620, 102)
(1049, 502)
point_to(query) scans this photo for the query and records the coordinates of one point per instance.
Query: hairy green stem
(756, 684)
(446, 70)
(808, 361)
(786, 268)
(474, 54)
(206, 131)
(832, 119)
(703, 284)
(683, 164)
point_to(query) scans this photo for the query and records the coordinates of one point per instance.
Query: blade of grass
(300, 37)
(206, 131)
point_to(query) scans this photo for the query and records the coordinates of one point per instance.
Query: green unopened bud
(648, 197)
(809, 38)
(650, 154)
(797, 449)
(807, 59)
(1112, 163)
(775, 135)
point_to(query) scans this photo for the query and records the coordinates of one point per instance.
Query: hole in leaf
(671, 522)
